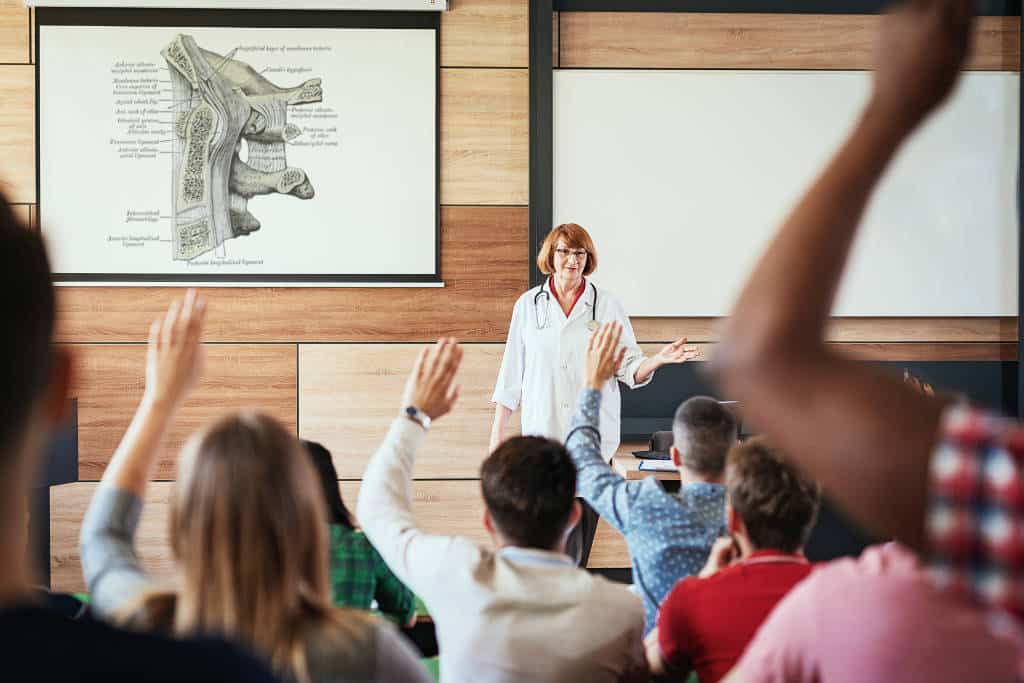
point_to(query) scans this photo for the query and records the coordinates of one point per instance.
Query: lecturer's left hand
(676, 352)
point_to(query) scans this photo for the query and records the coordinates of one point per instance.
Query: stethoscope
(543, 291)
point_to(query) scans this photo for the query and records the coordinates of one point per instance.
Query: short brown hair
(575, 237)
(703, 431)
(529, 486)
(776, 503)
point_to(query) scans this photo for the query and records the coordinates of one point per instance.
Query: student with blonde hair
(248, 532)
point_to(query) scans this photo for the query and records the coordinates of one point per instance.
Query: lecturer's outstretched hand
(604, 356)
(431, 386)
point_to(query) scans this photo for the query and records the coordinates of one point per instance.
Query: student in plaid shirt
(359, 576)
(943, 478)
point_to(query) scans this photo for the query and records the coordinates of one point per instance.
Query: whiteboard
(683, 176)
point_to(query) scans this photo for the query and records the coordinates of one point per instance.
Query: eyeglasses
(578, 254)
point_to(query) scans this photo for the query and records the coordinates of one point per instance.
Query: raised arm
(857, 429)
(385, 497)
(597, 482)
(174, 362)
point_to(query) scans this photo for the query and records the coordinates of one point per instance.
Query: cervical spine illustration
(220, 101)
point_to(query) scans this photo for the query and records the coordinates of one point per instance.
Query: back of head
(27, 310)
(248, 529)
(703, 431)
(776, 503)
(529, 487)
(323, 465)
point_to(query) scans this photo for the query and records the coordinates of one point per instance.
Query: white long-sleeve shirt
(514, 616)
(543, 366)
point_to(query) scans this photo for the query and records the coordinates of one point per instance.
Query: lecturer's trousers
(581, 538)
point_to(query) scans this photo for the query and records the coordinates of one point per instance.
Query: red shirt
(705, 624)
(579, 293)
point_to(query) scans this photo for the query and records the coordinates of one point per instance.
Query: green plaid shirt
(359, 576)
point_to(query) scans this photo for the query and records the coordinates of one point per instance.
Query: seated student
(248, 531)
(522, 612)
(942, 478)
(877, 618)
(40, 644)
(668, 535)
(706, 622)
(359, 575)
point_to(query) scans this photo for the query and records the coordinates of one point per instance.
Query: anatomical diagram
(219, 102)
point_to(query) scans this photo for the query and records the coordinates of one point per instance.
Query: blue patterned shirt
(669, 536)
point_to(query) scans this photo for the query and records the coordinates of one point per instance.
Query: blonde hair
(575, 237)
(249, 534)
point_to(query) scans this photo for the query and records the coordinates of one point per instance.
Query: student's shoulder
(616, 597)
(56, 647)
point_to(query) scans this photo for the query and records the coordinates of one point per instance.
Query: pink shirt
(877, 618)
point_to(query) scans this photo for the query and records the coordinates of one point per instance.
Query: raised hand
(431, 385)
(676, 352)
(604, 355)
(922, 47)
(175, 356)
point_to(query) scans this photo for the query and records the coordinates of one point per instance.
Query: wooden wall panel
(609, 550)
(484, 136)
(109, 380)
(486, 33)
(849, 329)
(449, 507)
(751, 41)
(454, 508)
(483, 265)
(349, 394)
(68, 504)
(17, 133)
(930, 351)
(14, 34)
(898, 351)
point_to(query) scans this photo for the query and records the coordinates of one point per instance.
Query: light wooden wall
(330, 363)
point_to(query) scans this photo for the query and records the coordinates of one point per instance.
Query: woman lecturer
(542, 369)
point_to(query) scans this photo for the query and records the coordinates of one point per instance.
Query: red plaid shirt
(975, 523)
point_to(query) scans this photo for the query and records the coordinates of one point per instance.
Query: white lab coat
(543, 369)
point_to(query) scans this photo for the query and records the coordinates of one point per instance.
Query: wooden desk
(628, 465)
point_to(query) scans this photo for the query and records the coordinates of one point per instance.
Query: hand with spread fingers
(923, 46)
(174, 356)
(676, 352)
(604, 355)
(431, 386)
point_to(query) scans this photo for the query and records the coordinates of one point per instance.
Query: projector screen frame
(276, 19)
(541, 112)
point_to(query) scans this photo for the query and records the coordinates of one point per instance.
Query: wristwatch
(417, 416)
